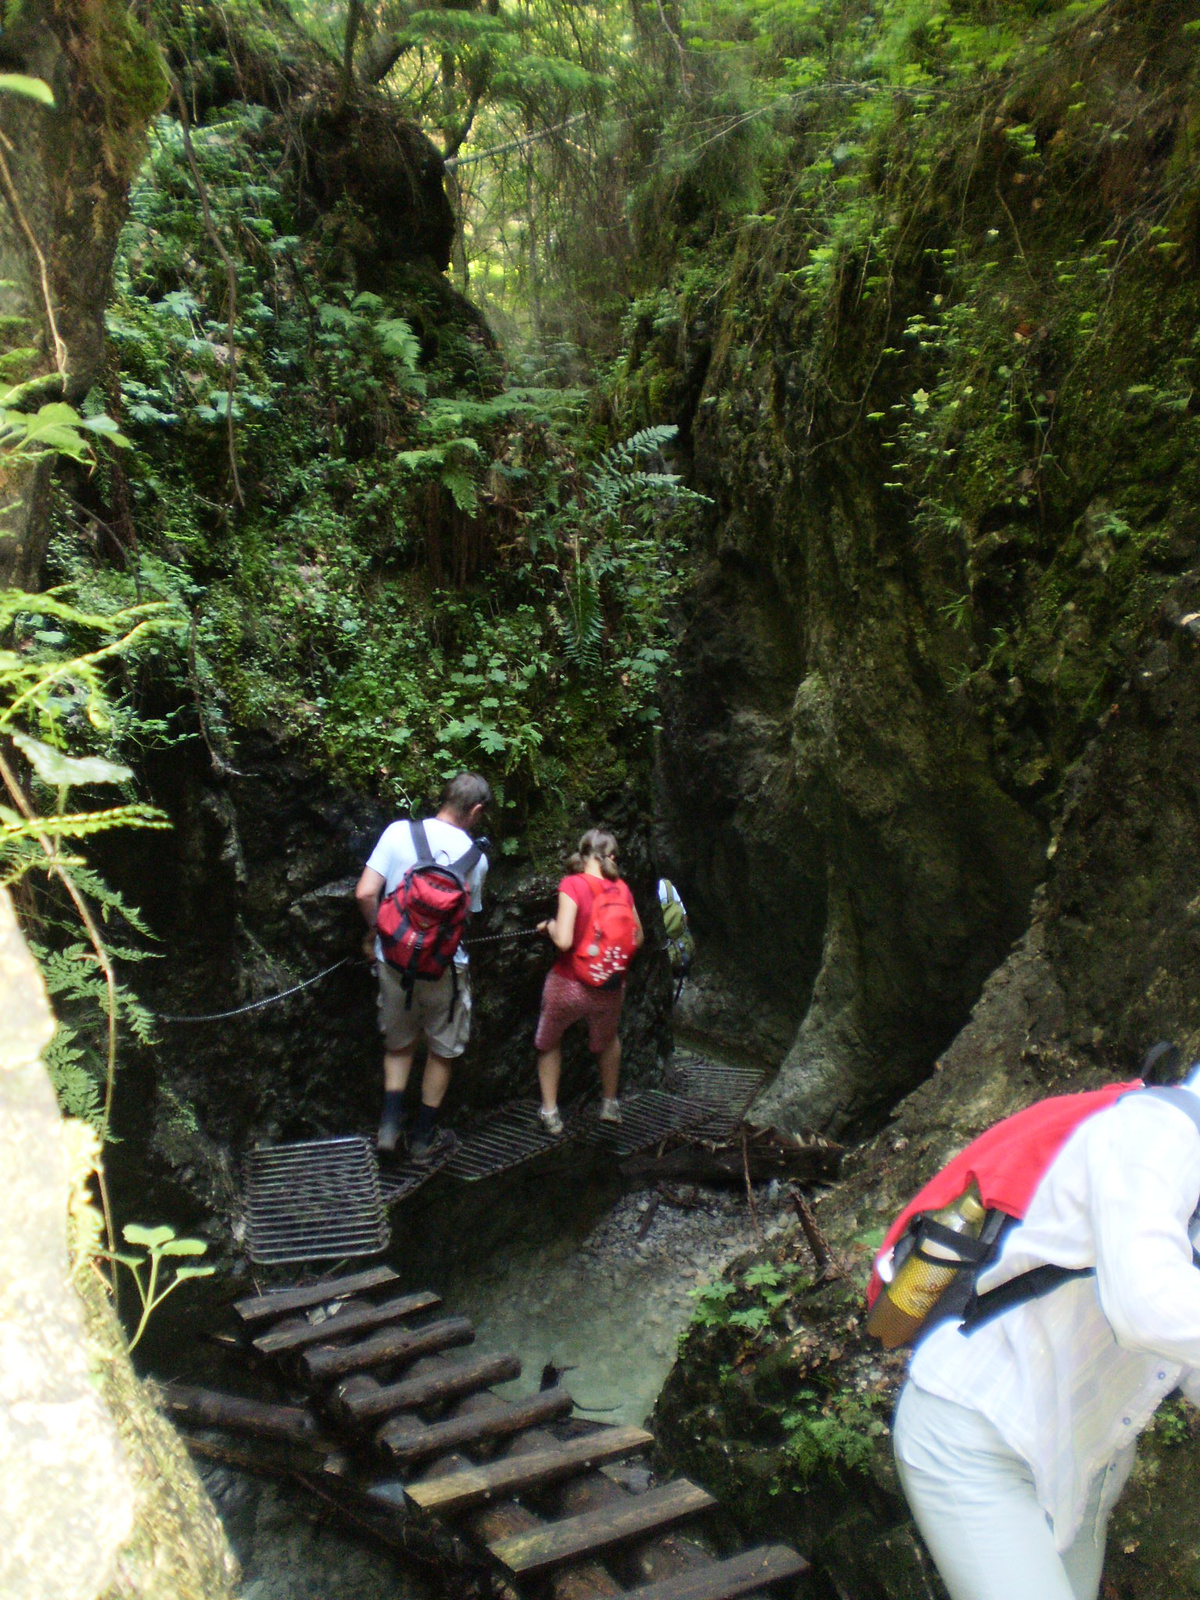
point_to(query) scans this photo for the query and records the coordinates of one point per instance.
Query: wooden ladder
(520, 1480)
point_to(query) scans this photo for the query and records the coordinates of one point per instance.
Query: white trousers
(973, 1499)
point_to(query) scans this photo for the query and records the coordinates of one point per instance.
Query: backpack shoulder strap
(420, 843)
(465, 864)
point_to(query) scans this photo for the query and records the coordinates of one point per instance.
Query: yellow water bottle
(919, 1283)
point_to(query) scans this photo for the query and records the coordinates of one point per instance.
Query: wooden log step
(573, 1537)
(278, 1301)
(205, 1408)
(408, 1444)
(393, 1344)
(459, 1491)
(725, 1580)
(344, 1323)
(457, 1378)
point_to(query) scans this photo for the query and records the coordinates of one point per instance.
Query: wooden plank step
(278, 1301)
(345, 1323)
(458, 1378)
(560, 1542)
(393, 1344)
(408, 1443)
(725, 1580)
(205, 1408)
(458, 1491)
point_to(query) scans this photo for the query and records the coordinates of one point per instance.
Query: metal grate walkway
(513, 1135)
(715, 1082)
(315, 1201)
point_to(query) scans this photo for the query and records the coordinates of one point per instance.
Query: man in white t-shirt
(441, 1010)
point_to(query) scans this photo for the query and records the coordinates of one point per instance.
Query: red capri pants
(565, 1000)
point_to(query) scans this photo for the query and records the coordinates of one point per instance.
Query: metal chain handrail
(286, 994)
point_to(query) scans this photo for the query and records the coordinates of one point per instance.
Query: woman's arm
(561, 927)
(640, 937)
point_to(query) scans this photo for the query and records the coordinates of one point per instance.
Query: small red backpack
(605, 937)
(421, 923)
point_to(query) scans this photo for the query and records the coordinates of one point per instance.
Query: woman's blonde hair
(600, 845)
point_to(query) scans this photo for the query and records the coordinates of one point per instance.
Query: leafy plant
(160, 1244)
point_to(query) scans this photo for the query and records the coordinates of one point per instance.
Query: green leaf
(185, 1247)
(193, 1272)
(29, 88)
(63, 771)
(149, 1238)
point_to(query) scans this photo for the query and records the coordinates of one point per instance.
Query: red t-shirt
(578, 885)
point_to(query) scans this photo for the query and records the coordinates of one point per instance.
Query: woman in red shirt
(596, 931)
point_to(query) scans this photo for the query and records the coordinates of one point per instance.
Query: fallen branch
(817, 1242)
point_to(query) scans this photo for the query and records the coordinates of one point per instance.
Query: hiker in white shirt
(441, 1011)
(1014, 1441)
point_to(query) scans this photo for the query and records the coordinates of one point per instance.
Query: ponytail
(602, 847)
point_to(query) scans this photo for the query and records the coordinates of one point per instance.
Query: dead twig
(750, 1201)
(10, 194)
(650, 1213)
(817, 1242)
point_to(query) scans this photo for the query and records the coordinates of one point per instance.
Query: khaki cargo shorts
(401, 1025)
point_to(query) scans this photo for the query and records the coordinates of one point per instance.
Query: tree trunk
(64, 188)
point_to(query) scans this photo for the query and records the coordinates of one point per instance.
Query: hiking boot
(551, 1120)
(610, 1111)
(439, 1144)
(390, 1136)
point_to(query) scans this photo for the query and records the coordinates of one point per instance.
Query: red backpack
(422, 921)
(605, 936)
(1006, 1164)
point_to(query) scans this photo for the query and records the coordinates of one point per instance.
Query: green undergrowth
(968, 282)
(758, 1347)
(403, 555)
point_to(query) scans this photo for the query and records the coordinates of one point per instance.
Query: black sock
(393, 1107)
(423, 1126)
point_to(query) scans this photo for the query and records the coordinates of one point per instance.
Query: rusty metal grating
(513, 1135)
(716, 1083)
(646, 1117)
(315, 1201)
(399, 1179)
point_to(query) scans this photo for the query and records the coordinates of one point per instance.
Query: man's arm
(367, 892)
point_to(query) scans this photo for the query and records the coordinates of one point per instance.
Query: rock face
(910, 616)
(792, 1424)
(98, 1495)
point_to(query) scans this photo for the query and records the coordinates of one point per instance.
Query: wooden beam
(457, 1378)
(458, 1491)
(205, 1408)
(278, 1301)
(725, 1580)
(393, 1344)
(344, 1323)
(560, 1542)
(408, 1443)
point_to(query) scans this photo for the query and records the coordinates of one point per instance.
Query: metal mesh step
(399, 1179)
(319, 1200)
(513, 1135)
(716, 1082)
(646, 1117)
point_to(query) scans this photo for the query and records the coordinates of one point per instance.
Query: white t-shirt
(394, 854)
